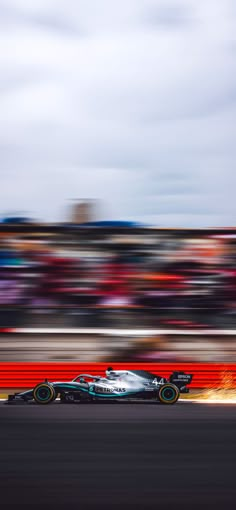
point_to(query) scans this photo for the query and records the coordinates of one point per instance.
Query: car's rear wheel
(168, 394)
(44, 393)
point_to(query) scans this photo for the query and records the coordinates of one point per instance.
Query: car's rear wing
(181, 380)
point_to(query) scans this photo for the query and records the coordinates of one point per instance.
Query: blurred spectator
(153, 278)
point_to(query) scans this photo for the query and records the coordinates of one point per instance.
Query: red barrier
(26, 375)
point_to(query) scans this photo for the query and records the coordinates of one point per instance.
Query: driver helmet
(110, 373)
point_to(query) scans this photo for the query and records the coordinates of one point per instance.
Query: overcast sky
(129, 101)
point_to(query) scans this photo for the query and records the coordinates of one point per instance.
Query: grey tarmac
(136, 456)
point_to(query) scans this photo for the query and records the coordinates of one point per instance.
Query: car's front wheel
(168, 394)
(44, 393)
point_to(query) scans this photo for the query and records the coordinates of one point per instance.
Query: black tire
(44, 393)
(168, 394)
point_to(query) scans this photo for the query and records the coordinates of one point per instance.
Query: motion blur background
(118, 275)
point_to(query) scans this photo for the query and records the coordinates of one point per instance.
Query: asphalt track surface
(137, 456)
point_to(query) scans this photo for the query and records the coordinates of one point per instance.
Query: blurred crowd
(140, 278)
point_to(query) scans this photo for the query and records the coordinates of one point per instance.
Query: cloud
(172, 14)
(133, 103)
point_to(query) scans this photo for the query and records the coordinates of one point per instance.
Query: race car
(116, 385)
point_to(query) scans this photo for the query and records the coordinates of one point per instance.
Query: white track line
(122, 332)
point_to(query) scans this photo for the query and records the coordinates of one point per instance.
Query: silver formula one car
(116, 385)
